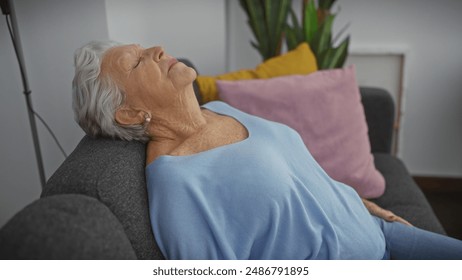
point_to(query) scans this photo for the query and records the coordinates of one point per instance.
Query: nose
(156, 53)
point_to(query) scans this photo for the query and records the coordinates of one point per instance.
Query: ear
(127, 116)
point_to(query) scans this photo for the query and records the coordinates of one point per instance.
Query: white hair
(96, 98)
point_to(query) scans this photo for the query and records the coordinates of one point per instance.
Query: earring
(147, 118)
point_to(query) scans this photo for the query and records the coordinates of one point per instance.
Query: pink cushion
(325, 108)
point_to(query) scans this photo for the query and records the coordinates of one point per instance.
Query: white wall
(432, 125)
(50, 31)
(431, 133)
(241, 54)
(192, 29)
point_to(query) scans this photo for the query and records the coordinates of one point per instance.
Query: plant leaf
(335, 57)
(340, 33)
(256, 23)
(323, 38)
(326, 4)
(291, 38)
(342, 49)
(319, 34)
(310, 23)
(294, 35)
(267, 20)
(283, 14)
(255, 45)
(277, 13)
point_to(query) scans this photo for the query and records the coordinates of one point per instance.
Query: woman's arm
(387, 215)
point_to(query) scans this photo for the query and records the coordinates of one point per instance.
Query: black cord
(29, 92)
(49, 130)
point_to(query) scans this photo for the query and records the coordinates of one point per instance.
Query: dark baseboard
(439, 184)
(445, 196)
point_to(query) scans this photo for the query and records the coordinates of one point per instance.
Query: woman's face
(147, 76)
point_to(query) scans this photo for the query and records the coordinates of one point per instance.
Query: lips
(171, 63)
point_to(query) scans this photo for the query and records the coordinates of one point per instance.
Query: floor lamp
(13, 29)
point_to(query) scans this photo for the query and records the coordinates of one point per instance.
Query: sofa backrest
(111, 171)
(379, 109)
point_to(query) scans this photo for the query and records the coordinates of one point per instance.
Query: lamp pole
(8, 11)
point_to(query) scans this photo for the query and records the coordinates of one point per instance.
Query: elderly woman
(223, 184)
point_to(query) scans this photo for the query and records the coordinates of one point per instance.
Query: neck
(178, 120)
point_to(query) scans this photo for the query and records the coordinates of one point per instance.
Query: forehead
(120, 56)
(120, 52)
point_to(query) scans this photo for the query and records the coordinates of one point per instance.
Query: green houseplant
(316, 29)
(267, 20)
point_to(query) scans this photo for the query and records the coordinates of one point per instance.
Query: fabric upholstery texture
(113, 172)
(298, 61)
(65, 227)
(380, 115)
(402, 195)
(325, 108)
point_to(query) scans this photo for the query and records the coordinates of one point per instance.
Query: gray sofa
(95, 205)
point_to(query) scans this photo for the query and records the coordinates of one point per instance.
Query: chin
(184, 76)
(189, 74)
(193, 73)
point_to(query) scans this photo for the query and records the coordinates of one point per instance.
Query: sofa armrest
(380, 114)
(403, 196)
(66, 226)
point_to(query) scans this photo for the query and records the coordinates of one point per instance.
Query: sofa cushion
(325, 108)
(113, 172)
(298, 61)
(402, 195)
(65, 227)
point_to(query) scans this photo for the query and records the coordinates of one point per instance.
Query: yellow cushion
(298, 61)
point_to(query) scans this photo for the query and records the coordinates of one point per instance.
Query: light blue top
(261, 198)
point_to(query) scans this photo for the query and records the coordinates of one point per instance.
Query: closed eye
(137, 63)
